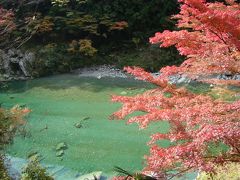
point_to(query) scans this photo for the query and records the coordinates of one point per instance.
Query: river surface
(59, 102)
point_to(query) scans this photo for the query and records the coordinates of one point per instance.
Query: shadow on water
(60, 82)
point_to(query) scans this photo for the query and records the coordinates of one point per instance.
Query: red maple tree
(6, 22)
(210, 40)
(9, 23)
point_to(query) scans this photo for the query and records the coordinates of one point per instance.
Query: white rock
(90, 176)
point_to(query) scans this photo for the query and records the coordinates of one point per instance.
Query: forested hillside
(74, 33)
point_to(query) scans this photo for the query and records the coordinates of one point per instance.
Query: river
(59, 103)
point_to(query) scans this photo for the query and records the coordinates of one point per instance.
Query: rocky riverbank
(17, 65)
(100, 72)
(110, 71)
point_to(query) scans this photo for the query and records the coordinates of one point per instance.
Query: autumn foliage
(209, 39)
(7, 24)
(6, 20)
(10, 120)
(204, 132)
(14, 32)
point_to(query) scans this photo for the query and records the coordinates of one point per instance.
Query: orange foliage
(119, 25)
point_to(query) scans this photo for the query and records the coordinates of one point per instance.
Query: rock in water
(91, 176)
(78, 125)
(22, 105)
(61, 146)
(33, 153)
(60, 153)
(123, 93)
(85, 118)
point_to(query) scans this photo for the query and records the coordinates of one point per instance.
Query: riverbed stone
(123, 93)
(90, 176)
(60, 153)
(85, 118)
(61, 146)
(78, 125)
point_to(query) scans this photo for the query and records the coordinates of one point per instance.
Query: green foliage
(60, 3)
(74, 19)
(34, 171)
(61, 58)
(104, 19)
(227, 171)
(51, 58)
(76, 23)
(41, 25)
(144, 17)
(136, 41)
(150, 58)
(116, 28)
(86, 47)
(83, 46)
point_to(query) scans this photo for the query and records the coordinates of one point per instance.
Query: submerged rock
(78, 125)
(32, 154)
(81, 122)
(85, 118)
(61, 146)
(60, 153)
(91, 176)
(35, 156)
(22, 105)
(123, 93)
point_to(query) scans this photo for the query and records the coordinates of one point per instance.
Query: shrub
(33, 170)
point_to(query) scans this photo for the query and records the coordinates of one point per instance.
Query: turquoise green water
(58, 103)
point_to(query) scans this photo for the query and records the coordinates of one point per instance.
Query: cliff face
(15, 64)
